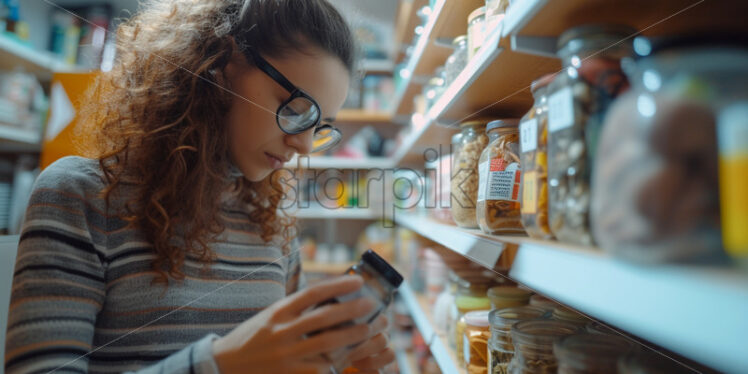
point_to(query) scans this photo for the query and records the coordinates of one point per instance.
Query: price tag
(560, 109)
(528, 135)
(529, 192)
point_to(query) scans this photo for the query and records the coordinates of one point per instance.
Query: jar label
(528, 135)
(560, 109)
(465, 349)
(529, 192)
(499, 180)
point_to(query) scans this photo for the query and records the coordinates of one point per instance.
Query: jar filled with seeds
(578, 99)
(533, 136)
(464, 183)
(589, 353)
(500, 348)
(533, 345)
(498, 207)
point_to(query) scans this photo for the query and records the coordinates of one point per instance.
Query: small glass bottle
(533, 135)
(533, 345)
(464, 181)
(381, 281)
(588, 353)
(499, 169)
(500, 348)
(457, 61)
(466, 304)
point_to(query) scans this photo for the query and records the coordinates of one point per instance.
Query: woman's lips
(275, 162)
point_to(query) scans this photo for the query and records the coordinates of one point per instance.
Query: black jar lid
(382, 267)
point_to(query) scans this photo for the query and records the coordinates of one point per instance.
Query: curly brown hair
(159, 116)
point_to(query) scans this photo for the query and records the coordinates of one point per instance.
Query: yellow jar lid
(508, 292)
(469, 303)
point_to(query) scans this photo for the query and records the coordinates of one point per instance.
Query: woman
(166, 252)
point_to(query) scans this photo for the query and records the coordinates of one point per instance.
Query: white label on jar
(528, 135)
(560, 109)
(482, 179)
(503, 180)
(466, 348)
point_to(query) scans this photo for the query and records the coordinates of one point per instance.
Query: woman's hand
(274, 340)
(374, 354)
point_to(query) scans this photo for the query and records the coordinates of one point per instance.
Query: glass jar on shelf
(667, 208)
(508, 296)
(541, 301)
(589, 353)
(500, 348)
(433, 90)
(464, 181)
(561, 313)
(475, 342)
(578, 99)
(476, 32)
(495, 10)
(457, 61)
(466, 304)
(533, 135)
(498, 207)
(533, 345)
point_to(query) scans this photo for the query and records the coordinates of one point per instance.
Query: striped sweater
(82, 295)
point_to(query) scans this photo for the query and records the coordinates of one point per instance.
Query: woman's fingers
(328, 316)
(369, 348)
(329, 341)
(374, 363)
(303, 300)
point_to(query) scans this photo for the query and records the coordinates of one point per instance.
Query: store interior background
(388, 123)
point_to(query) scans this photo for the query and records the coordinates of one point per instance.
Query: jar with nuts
(533, 137)
(498, 208)
(464, 182)
(578, 99)
(533, 345)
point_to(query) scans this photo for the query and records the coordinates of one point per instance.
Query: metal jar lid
(502, 123)
(476, 14)
(460, 39)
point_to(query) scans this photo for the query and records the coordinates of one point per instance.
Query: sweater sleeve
(59, 281)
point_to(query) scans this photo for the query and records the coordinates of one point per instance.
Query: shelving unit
(337, 213)
(696, 311)
(19, 140)
(423, 319)
(328, 162)
(362, 116)
(40, 63)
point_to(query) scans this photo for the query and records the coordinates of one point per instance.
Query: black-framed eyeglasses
(300, 112)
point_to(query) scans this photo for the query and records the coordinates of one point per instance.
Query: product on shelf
(457, 61)
(541, 301)
(465, 173)
(500, 346)
(508, 296)
(435, 273)
(561, 313)
(533, 132)
(464, 305)
(498, 207)
(434, 88)
(656, 180)
(444, 304)
(476, 32)
(495, 10)
(589, 353)
(578, 99)
(533, 345)
(475, 342)
(732, 132)
(649, 362)
(441, 188)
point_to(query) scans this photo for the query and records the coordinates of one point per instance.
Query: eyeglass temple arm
(265, 66)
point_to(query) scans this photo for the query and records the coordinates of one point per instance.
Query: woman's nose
(302, 142)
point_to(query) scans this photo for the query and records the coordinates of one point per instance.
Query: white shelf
(41, 63)
(378, 65)
(337, 213)
(327, 162)
(696, 311)
(444, 356)
(19, 135)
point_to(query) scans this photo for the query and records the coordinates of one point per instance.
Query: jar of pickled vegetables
(475, 342)
(464, 183)
(589, 353)
(508, 296)
(533, 135)
(466, 304)
(498, 207)
(500, 348)
(578, 99)
(533, 345)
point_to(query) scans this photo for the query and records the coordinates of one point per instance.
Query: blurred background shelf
(336, 213)
(43, 64)
(353, 116)
(329, 162)
(25, 137)
(656, 303)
